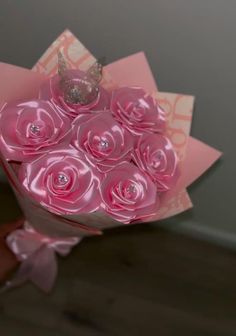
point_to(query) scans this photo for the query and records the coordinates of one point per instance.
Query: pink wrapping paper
(195, 156)
(18, 83)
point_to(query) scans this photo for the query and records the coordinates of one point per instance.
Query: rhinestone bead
(35, 129)
(62, 179)
(104, 144)
(131, 188)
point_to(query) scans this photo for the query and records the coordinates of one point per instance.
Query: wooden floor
(141, 280)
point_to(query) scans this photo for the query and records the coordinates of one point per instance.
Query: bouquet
(88, 147)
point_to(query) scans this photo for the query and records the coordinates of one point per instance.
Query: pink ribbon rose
(53, 90)
(137, 111)
(154, 154)
(28, 129)
(129, 194)
(62, 181)
(103, 140)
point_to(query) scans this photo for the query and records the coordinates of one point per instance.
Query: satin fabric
(37, 254)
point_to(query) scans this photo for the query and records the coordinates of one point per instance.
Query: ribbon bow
(37, 254)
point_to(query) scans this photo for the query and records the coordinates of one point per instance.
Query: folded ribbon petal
(37, 254)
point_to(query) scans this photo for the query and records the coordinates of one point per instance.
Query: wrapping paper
(195, 156)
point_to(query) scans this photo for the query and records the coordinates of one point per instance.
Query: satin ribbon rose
(154, 154)
(103, 140)
(129, 194)
(53, 90)
(31, 128)
(62, 181)
(138, 111)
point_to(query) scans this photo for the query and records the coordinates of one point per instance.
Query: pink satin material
(37, 254)
(91, 130)
(31, 128)
(155, 155)
(78, 193)
(129, 194)
(137, 111)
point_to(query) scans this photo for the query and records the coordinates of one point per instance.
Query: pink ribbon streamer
(37, 254)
